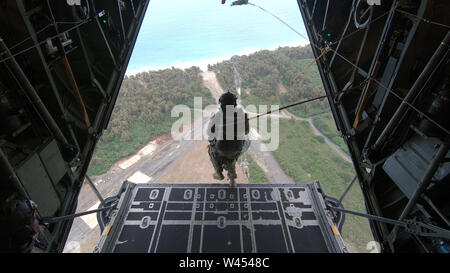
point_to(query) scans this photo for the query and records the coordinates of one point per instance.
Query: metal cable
(51, 220)
(37, 33)
(347, 189)
(43, 42)
(395, 95)
(359, 68)
(308, 100)
(423, 19)
(356, 31)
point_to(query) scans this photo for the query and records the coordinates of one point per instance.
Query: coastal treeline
(275, 77)
(143, 111)
(150, 96)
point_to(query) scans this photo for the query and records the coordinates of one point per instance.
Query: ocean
(183, 33)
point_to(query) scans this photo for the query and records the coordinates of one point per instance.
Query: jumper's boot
(232, 182)
(218, 176)
(232, 177)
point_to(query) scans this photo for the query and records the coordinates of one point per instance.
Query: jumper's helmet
(228, 98)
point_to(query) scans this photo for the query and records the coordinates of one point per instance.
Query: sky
(182, 33)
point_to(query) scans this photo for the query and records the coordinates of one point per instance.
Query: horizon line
(203, 64)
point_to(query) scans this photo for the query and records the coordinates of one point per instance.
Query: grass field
(309, 110)
(106, 153)
(257, 175)
(325, 123)
(302, 154)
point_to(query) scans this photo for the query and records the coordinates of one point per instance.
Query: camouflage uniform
(224, 152)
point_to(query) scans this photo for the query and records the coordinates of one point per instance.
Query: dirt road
(333, 146)
(211, 82)
(200, 169)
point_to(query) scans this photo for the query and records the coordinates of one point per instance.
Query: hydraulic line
(45, 41)
(365, 96)
(68, 69)
(34, 97)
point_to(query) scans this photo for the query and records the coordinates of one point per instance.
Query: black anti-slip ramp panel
(214, 218)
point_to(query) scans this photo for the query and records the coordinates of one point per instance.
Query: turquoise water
(180, 31)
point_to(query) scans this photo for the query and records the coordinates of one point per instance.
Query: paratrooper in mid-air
(227, 131)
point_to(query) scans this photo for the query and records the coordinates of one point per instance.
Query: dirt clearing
(196, 167)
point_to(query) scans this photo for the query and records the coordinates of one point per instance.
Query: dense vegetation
(276, 77)
(150, 96)
(325, 123)
(307, 158)
(257, 175)
(142, 111)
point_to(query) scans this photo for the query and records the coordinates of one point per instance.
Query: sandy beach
(203, 64)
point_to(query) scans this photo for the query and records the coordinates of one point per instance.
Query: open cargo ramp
(215, 218)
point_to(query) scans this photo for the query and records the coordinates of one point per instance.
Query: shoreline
(203, 64)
